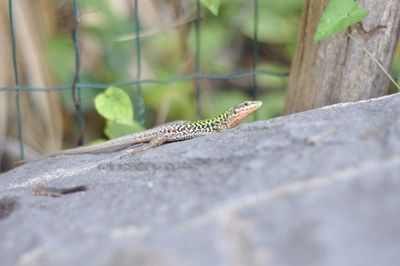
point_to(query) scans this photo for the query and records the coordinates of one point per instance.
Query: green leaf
(114, 129)
(212, 5)
(337, 16)
(114, 104)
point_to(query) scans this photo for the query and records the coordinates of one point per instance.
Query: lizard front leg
(154, 142)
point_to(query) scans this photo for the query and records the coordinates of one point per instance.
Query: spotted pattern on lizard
(173, 131)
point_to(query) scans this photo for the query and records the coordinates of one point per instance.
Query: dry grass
(41, 112)
(35, 22)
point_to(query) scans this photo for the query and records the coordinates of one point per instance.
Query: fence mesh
(76, 85)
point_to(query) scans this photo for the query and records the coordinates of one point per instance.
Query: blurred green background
(108, 44)
(168, 50)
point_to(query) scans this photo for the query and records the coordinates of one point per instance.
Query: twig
(41, 190)
(375, 60)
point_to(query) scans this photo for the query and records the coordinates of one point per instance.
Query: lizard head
(239, 112)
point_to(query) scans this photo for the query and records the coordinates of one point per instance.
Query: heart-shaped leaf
(114, 104)
(114, 130)
(337, 16)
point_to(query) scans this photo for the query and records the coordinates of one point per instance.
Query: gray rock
(315, 188)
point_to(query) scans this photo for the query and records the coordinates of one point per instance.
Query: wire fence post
(138, 97)
(14, 59)
(197, 66)
(255, 55)
(76, 90)
(197, 76)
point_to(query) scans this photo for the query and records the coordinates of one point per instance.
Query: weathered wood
(337, 69)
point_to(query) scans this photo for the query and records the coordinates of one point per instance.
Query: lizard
(171, 132)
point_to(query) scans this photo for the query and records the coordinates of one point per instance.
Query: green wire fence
(76, 85)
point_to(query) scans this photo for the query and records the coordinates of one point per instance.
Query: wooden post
(337, 69)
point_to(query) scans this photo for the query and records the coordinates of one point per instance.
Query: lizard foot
(130, 154)
(157, 141)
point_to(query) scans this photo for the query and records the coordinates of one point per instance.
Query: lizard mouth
(251, 109)
(257, 104)
(245, 113)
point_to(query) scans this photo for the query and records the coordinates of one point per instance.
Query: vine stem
(375, 60)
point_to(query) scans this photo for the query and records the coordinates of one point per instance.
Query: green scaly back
(210, 124)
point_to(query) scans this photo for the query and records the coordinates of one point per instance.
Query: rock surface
(315, 188)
